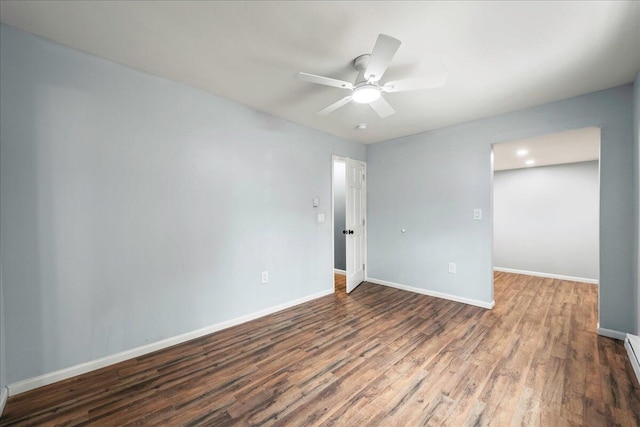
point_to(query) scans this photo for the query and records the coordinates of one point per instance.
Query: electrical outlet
(265, 277)
(452, 267)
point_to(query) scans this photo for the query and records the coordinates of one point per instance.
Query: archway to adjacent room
(546, 208)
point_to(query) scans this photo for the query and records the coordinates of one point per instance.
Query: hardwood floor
(379, 356)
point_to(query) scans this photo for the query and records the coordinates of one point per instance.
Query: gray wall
(636, 145)
(430, 183)
(545, 219)
(3, 352)
(339, 215)
(135, 209)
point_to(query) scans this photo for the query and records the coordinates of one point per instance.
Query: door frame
(344, 159)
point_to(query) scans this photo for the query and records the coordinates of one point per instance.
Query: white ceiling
(500, 56)
(580, 145)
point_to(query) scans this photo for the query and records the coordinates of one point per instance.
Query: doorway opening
(339, 218)
(348, 222)
(546, 205)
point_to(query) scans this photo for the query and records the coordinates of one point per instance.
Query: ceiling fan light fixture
(366, 94)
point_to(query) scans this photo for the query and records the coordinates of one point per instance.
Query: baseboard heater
(632, 344)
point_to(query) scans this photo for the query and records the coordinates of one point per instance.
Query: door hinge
(362, 221)
(363, 266)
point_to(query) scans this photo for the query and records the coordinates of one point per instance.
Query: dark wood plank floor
(378, 356)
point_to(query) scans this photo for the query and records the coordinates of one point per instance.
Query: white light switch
(316, 202)
(477, 214)
(321, 217)
(452, 267)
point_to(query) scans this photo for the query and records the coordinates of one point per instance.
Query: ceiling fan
(367, 88)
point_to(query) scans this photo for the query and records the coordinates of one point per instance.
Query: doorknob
(344, 231)
(350, 231)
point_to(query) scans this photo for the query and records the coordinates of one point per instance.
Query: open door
(355, 223)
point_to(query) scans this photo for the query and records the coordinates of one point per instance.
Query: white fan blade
(382, 107)
(383, 52)
(327, 81)
(416, 83)
(333, 107)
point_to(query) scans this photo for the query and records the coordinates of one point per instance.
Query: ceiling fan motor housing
(361, 62)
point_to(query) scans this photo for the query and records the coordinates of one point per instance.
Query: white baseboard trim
(632, 344)
(338, 271)
(72, 371)
(4, 394)
(547, 275)
(483, 304)
(610, 333)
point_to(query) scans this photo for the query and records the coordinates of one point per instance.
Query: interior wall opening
(546, 204)
(339, 224)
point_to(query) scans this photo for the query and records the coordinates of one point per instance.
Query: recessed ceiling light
(522, 152)
(530, 162)
(361, 126)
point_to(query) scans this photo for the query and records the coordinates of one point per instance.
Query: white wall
(339, 214)
(545, 219)
(134, 209)
(430, 183)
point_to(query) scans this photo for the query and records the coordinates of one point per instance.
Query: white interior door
(355, 223)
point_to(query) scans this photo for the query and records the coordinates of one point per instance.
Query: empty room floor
(379, 356)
